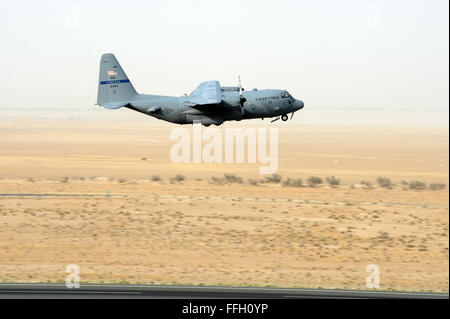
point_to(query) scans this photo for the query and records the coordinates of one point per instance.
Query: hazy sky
(391, 54)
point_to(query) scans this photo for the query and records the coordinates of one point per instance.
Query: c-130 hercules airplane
(208, 104)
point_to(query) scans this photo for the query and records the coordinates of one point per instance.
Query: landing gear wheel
(284, 117)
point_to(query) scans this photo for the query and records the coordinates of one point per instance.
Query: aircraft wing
(206, 93)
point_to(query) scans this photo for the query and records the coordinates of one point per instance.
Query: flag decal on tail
(112, 73)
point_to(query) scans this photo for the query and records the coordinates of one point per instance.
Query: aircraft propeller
(242, 99)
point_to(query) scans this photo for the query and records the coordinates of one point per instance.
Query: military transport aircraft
(208, 104)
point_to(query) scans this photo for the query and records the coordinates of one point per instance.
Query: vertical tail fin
(114, 87)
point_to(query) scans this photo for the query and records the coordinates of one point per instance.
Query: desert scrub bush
(216, 180)
(274, 178)
(252, 181)
(65, 179)
(314, 180)
(231, 178)
(435, 187)
(418, 185)
(384, 182)
(178, 178)
(155, 178)
(367, 184)
(333, 181)
(122, 180)
(293, 182)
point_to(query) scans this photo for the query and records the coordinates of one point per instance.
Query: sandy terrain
(122, 226)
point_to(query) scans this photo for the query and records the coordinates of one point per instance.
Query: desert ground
(103, 195)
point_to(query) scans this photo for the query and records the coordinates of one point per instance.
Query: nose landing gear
(284, 117)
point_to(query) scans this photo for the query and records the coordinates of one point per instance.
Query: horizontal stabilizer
(114, 105)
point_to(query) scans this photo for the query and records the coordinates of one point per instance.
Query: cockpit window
(285, 94)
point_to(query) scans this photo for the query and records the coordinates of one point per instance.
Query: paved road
(18, 290)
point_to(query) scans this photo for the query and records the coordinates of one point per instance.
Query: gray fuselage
(258, 104)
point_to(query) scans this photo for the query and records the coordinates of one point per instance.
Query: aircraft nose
(299, 104)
